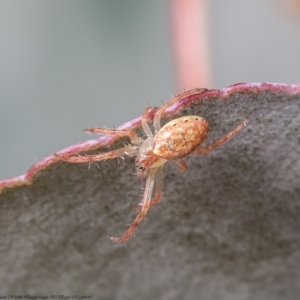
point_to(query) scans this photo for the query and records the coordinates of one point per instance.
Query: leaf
(228, 228)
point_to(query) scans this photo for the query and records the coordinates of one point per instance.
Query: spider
(171, 143)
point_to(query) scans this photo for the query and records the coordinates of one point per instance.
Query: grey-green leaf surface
(229, 228)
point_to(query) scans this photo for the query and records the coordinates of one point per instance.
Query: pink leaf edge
(107, 140)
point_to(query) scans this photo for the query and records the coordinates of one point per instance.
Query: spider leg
(158, 188)
(145, 206)
(117, 132)
(144, 122)
(179, 164)
(222, 140)
(97, 157)
(177, 98)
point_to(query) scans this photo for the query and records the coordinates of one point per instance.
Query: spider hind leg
(154, 176)
(221, 140)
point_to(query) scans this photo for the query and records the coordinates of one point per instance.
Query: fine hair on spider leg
(171, 143)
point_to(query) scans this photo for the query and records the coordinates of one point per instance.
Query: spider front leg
(117, 132)
(144, 122)
(175, 99)
(129, 151)
(222, 140)
(151, 178)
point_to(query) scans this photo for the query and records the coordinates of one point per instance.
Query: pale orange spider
(171, 143)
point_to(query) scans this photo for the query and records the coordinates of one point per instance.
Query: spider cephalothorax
(171, 143)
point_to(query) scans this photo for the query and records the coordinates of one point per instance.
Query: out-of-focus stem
(190, 43)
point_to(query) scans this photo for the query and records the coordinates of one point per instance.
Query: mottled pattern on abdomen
(180, 137)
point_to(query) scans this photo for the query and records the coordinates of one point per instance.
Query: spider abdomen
(180, 137)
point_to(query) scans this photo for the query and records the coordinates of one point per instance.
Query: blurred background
(67, 65)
